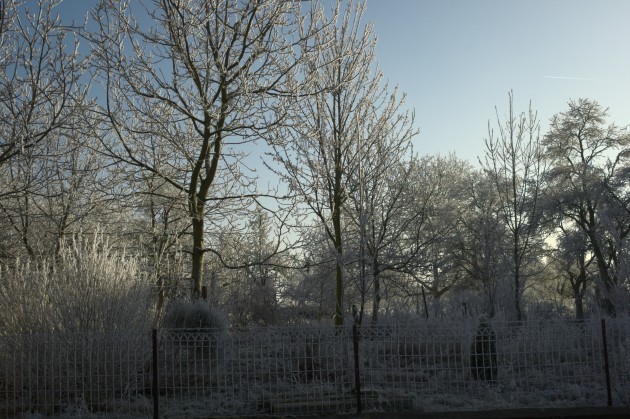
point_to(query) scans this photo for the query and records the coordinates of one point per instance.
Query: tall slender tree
(514, 162)
(320, 161)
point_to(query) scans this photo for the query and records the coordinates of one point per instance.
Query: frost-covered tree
(481, 244)
(587, 159)
(48, 180)
(309, 293)
(39, 73)
(318, 152)
(251, 270)
(380, 198)
(438, 190)
(200, 81)
(256, 292)
(514, 163)
(160, 227)
(574, 262)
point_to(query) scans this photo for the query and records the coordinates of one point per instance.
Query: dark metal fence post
(606, 363)
(155, 385)
(357, 373)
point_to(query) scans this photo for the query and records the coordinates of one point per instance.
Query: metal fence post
(606, 363)
(155, 385)
(357, 373)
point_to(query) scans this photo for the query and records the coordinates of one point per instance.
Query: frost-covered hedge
(194, 315)
(88, 287)
(75, 329)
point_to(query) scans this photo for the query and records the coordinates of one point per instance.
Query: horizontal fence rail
(428, 366)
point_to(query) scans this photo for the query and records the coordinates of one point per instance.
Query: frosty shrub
(88, 287)
(194, 315)
(195, 326)
(84, 320)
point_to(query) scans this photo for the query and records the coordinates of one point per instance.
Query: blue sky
(457, 60)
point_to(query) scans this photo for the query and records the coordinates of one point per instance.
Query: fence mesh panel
(497, 365)
(429, 366)
(619, 358)
(270, 370)
(75, 374)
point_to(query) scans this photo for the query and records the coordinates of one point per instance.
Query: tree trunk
(197, 253)
(426, 307)
(376, 302)
(517, 293)
(517, 272)
(605, 281)
(578, 284)
(336, 219)
(339, 294)
(579, 306)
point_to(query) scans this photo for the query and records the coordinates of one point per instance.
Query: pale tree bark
(202, 84)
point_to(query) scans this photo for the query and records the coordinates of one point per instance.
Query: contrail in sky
(574, 78)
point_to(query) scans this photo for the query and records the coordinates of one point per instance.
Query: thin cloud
(574, 78)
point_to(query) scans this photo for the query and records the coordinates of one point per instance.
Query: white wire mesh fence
(493, 366)
(75, 374)
(257, 371)
(618, 345)
(430, 366)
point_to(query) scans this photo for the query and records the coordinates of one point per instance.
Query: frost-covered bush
(194, 315)
(88, 287)
(194, 326)
(78, 328)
